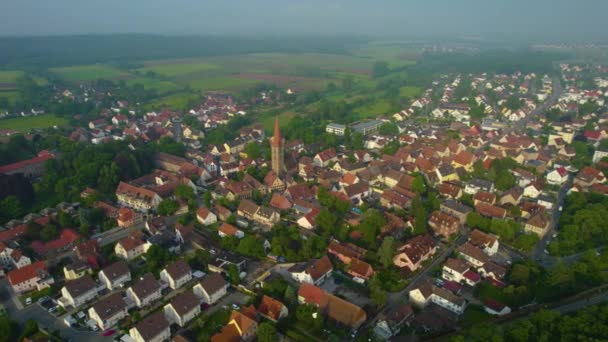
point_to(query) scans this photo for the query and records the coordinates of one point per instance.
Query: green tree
(8, 329)
(387, 251)
(233, 274)
(167, 207)
(251, 246)
(49, 233)
(253, 150)
(184, 192)
(419, 213)
(380, 69)
(377, 294)
(267, 332)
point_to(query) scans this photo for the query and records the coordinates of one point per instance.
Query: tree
(184, 192)
(419, 213)
(8, 329)
(380, 69)
(387, 251)
(377, 294)
(48, 233)
(326, 220)
(233, 274)
(253, 150)
(418, 184)
(207, 197)
(167, 207)
(10, 208)
(267, 332)
(251, 246)
(389, 128)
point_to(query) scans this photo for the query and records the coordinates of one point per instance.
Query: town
(482, 200)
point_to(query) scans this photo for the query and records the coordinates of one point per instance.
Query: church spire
(276, 141)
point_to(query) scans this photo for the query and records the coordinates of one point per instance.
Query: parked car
(235, 306)
(109, 332)
(28, 301)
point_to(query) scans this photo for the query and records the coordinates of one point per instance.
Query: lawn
(24, 124)
(374, 109)
(410, 92)
(11, 96)
(177, 101)
(176, 69)
(221, 83)
(162, 87)
(90, 73)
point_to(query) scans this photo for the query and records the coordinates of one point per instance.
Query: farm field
(410, 92)
(177, 101)
(90, 73)
(179, 68)
(162, 87)
(380, 107)
(10, 76)
(23, 124)
(11, 96)
(226, 83)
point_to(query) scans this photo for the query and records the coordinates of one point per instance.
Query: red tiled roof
(42, 157)
(270, 307)
(67, 237)
(24, 273)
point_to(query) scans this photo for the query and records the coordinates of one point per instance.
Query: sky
(518, 18)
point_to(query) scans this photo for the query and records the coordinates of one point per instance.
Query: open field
(374, 109)
(90, 73)
(410, 92)
(299, 82)
(177, 68)
(177, 101)
(9, 77)
(11, 96)
(162, 87)
(24, 124)
(226, 83)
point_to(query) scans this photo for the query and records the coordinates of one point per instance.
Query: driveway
(44, 319)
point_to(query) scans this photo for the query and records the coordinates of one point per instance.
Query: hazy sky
(581, 18)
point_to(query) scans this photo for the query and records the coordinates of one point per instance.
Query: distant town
(482, 200)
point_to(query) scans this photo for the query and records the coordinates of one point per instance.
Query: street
(44, 319)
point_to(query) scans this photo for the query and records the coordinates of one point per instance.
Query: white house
(496, 308)
(108, 311)
(144, 291)
(115, 275)
(183, 308)
(428, 293)
(77, 292)
(206, 217)
(532, 190)
(486, 242)
(176, 274)
(211, 288)
(312, 273)
(558, 176)
(154, 328)
(30, 277)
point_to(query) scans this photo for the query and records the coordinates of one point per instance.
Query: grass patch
(374, 109)
(162, 87)
(11, 96)
(474, 314)
(36, 295)
(410, 92)
(90, 72)
(176, 69)
(24, 124)
(221, 83)
(10, 76)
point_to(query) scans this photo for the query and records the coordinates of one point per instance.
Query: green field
(10, 76)
(177, 69)
(24, 124)
(90, 73)
(11, 96)
(374, 109)
(410, 92)
(162, 87)
(177, 101)
(221, 83)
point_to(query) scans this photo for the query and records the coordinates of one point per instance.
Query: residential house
(77, 292)
(484, 197)
(183, 308)
(496, 308)
(533, 190)
(239, 328)
(414, 252)
(115, 275)
(30, 277)
(391, 323)
(272, 309)
(76, 269)
(589, 176)
(176, 274)
(455, 209)
(336, 309)
(154, 328)
(486, 242)
(538, 223)
(476, 185)
(323, 158)
(266, 216)
(490, 211)
(226, 230)
(558, 176)
(144, 291)
(314, 272)
(131, 247)
(205, 217)
(108, 311)
(459, 271)
(211, 288)
(512, 196)
(449, 190)
(472, 254)
(443, 224)
(136, 197)
(427, 292)
(464, 159)
(360, 269)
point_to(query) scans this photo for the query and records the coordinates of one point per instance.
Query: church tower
(277, 148)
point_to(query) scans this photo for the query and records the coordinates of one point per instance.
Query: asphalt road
(45, 320)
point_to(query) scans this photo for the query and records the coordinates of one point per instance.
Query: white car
(28, 301)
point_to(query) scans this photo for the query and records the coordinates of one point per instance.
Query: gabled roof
(116, 270)
(213, 282)
(152, 325)
(80, 286)
(185, 302)
(270, 307)
(108, 307)
(31, 271)
(178, 269)
(145, 286)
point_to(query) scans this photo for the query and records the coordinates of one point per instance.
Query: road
(519, 126)
(397, 298)
(44, 319)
